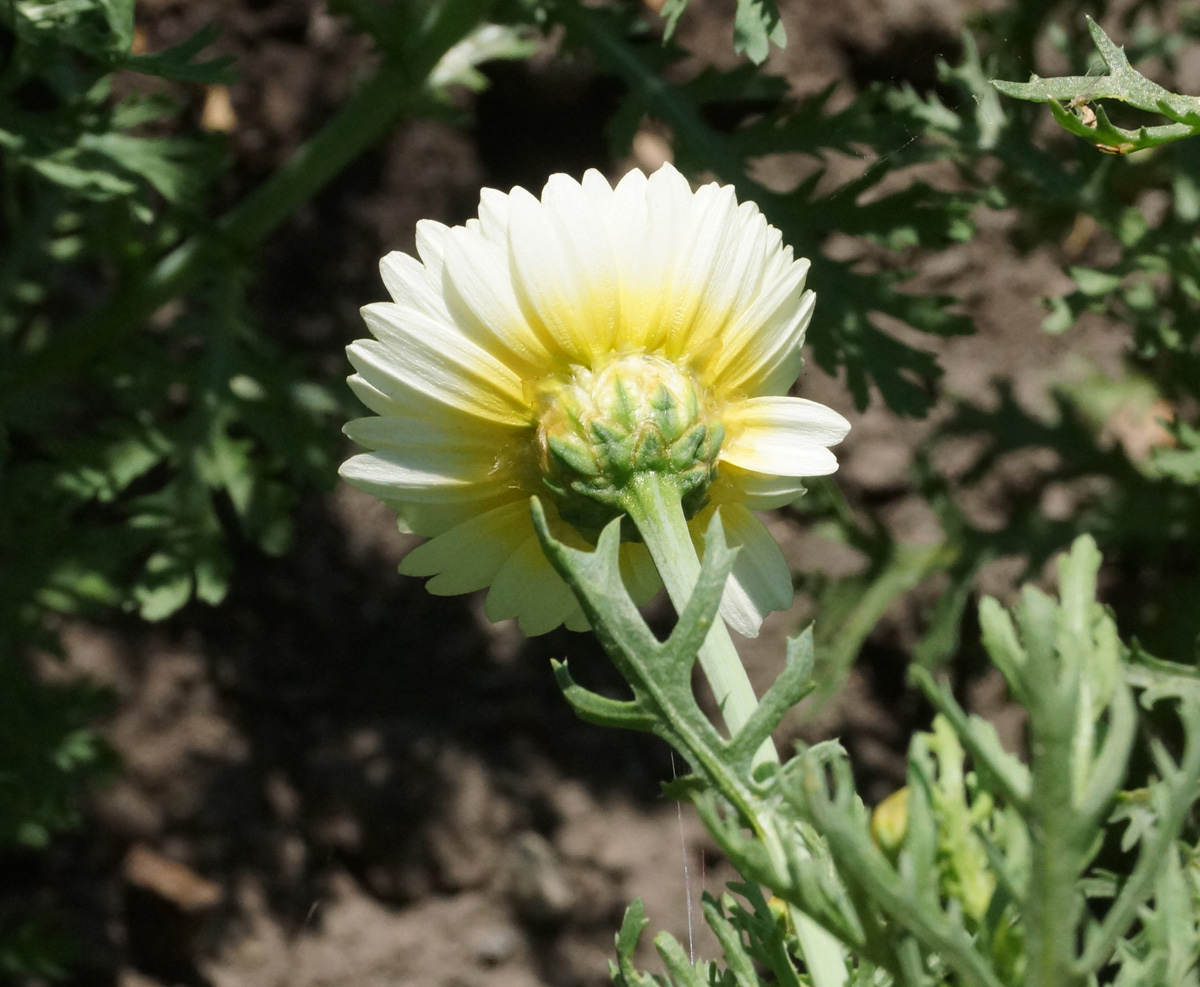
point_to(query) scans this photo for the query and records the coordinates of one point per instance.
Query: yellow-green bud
(889, 822)
(597, 429)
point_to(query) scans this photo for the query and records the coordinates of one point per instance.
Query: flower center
(599, 428)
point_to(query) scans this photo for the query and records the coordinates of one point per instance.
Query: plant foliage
(990, 875)
(148, 423)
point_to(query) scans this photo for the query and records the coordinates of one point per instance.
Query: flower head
(557, 348)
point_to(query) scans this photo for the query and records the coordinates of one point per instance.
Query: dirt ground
(367, 785)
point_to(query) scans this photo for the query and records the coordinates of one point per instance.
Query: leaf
(792, 685)
(177, 63)
(1094, 283)
(133, 111)
(1122, 82)
(119, 14)
(623, 972)
(166, 585)
(178, 168)
(459, 66)
(756, 26)
(1182, 462)
(599, 709)
(100, 186)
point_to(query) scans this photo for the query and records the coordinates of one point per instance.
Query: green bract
(639, 414)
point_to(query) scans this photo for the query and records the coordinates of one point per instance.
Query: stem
(1051, 909)
(652, 502)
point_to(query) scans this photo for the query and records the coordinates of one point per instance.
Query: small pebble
(494, 944)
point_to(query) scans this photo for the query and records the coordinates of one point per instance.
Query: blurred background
(236, 748)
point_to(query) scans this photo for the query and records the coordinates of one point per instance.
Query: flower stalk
(652, 501)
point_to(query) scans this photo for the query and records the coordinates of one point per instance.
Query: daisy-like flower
(565, 346)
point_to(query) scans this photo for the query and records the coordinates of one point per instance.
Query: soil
(368, 785)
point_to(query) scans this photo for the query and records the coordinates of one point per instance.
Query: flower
(552, 347)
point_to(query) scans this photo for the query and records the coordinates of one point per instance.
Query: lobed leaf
(1123, 83)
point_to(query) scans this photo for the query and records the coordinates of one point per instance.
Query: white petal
(713, 222)
(493, 216)
(566, 275)
(757, 491)
(648, 219)
(438, 360)
(467, 557)
(782, 436)
(431, 237)
(760, 354)
(478, 288)
(456, 435)
(438, 517)
(598, 189)
(421, 459)
(760, 581)
(377, 400)
(526, 587)
(726, 245)
(735, 279)
(411, 285)
(422, 474)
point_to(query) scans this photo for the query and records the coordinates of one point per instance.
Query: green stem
(1052, 908)
(652, 503)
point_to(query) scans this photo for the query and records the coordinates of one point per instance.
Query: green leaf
(133, 111)
(599, 709)
(1122, 82)
(100, 186)
(178, 168)
(792, 685)
(756, 26)
(736, 957)
(119, 14)
(487, 43)
(623, 972)
(1061, 318)
(166, 586)
(677, 962)
(1095, 283)
(671, 11)
(177, 62)
(1183, 461)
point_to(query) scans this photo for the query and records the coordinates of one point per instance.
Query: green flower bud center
(599, 428)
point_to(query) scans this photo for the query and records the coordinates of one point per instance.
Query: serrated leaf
(178, 168)
(624, 973)
(1122, 82)
(177, 63)
(100, 186)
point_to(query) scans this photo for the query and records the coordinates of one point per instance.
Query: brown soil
(382, 787)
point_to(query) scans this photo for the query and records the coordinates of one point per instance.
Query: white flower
(508, 343)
